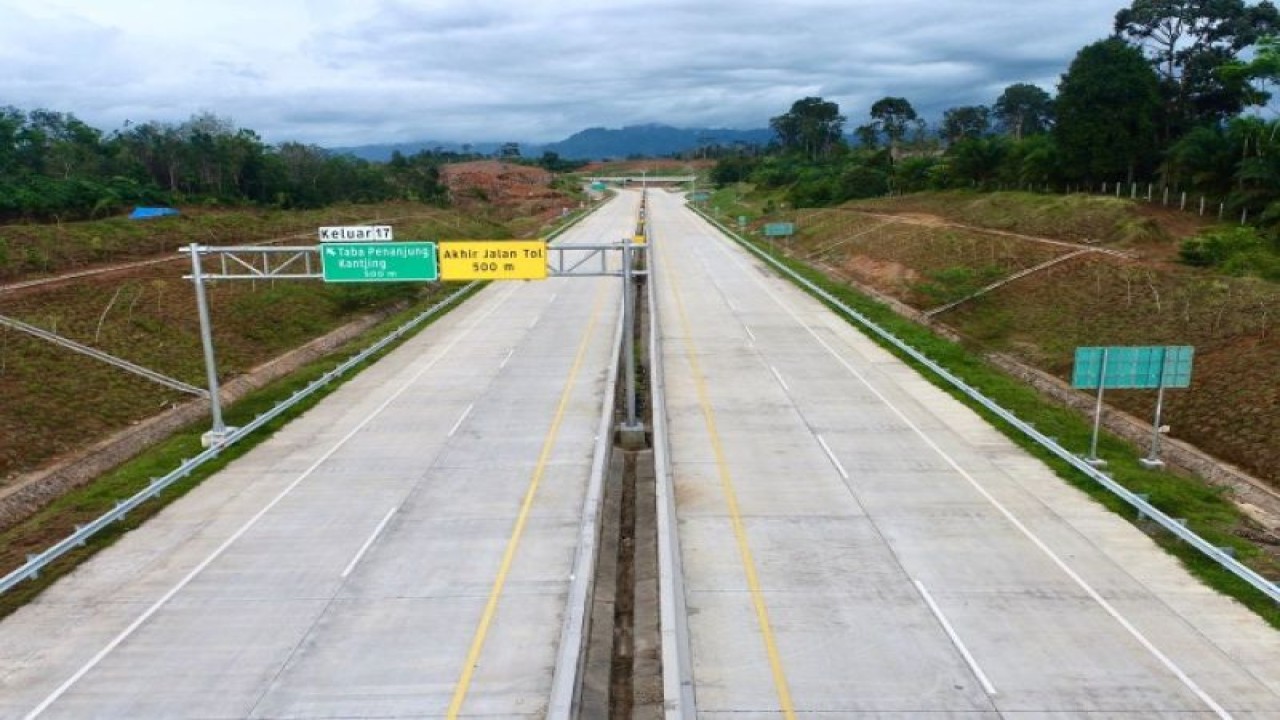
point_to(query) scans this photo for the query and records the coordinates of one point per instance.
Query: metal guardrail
(37, 562)
(571, 656)
(1144, 508)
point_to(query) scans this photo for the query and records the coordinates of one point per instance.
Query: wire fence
(1151, 192)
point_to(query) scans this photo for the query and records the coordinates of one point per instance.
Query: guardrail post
(632, 431)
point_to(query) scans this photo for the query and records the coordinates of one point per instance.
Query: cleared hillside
(930, 249)
(54, 402)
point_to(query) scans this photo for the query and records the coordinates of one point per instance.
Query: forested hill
(652, 141)
(598, 143)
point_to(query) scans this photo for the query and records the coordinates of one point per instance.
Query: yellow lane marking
(731, 500)
(513, 543)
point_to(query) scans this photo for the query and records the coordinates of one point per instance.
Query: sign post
(219, 431)
(1143, 367)
(1093, 458)
(631, 431)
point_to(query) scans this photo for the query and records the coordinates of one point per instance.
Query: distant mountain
(649, 141)
(591, 144)
(382, 152)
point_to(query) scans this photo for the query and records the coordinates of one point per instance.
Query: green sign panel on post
(779, 229)
(1132, 368)
(1117, 368)
(379, 262)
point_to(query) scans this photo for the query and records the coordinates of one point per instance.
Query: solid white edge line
(832, 456)
(1013, 520)
(461, 419)
(367, 543)
(955, 639)
(186, 580)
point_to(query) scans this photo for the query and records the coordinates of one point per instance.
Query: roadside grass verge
(59, 518)
(1206, 509)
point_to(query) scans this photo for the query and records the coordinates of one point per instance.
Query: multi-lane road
(853, 542)
(406, 549)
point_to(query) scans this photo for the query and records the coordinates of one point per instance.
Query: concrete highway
(405, 549)
(856, 544)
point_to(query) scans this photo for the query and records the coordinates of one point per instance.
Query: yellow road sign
(638, 239)
(493, 260)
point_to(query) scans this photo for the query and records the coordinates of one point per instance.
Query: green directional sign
(379, 262)
(784, 229)
(1116, 368)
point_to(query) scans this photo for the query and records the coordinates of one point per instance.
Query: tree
(1263, 67)
(868, 136)
(1203, 160)
(1189, 41)
(891, 117)
(1032, 161)
(967, 121)
(1024, 109)
(977, 160)
(1107, 106)
(813, 127)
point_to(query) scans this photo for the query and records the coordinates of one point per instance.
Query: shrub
(1236, 251)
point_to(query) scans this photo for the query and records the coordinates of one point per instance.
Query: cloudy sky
(348, 72)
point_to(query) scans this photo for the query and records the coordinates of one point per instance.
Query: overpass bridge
(643, 179)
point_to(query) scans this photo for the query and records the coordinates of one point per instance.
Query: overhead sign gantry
(352, 254)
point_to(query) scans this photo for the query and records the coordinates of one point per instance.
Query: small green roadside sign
(1149, 366)
(1152, 367)
(783, 229)
(379, 262)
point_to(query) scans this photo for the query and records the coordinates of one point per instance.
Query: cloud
(342, 73)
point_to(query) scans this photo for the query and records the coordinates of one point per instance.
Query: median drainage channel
(622, 671)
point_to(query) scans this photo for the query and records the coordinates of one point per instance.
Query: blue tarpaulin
(143, 213)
